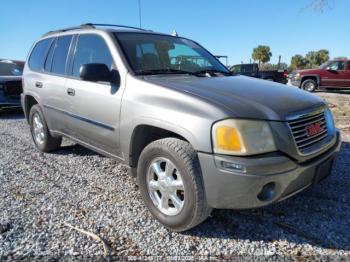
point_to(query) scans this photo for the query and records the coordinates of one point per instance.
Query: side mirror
(97, 72)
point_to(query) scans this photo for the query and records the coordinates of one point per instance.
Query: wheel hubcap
(309, 86)
(165, 186)
(38, 129)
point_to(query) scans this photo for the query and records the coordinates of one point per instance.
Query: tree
(268, 66)
(311, 59)
(298, 62)
(321, 56)
(316, 58)
(262, 54)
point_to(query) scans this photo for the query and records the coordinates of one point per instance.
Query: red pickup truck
(332, 74)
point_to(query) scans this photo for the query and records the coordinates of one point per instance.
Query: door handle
(71, 91)
(38, 84)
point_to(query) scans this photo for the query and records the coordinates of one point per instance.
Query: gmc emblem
(314, 129)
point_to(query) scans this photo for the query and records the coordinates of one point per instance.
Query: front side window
(37, 57)
(60, 54)
(338, 65)
(91, 49)
(160, 53)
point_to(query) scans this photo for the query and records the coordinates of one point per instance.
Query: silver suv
(195, 136)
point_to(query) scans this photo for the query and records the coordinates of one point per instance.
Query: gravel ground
(41, 195)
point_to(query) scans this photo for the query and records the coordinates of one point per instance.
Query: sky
(224, 27)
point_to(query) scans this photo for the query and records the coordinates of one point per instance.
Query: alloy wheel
(38, 129)
(165, 186)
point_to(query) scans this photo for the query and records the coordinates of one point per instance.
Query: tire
(42, 137)
(309, 85)
(181, 155)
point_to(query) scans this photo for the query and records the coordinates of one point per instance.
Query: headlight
(297, 76)
(242, 137)
(330, 122)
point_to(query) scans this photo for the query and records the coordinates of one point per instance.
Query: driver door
(334, 75)
(95, 106)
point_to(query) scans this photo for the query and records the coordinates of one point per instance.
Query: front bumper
(9, 103)
(234, 190)
(295, 82)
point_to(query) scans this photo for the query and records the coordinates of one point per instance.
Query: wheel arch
(144, 134)
(313, 77)
(29, 101)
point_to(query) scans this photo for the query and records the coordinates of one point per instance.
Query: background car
(10, 84)
(253, 70)
(334, 74)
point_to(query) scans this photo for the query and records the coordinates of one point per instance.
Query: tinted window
(349, 65)
(37, 57)
(91, 49)
(60, 54)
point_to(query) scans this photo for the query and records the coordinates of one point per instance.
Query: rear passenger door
(56, 108)
(95, 106)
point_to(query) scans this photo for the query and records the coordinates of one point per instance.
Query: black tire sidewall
(44, 146)
(185, 217)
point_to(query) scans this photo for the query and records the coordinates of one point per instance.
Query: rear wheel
(309, 85)
(40, 132)
(170, 181)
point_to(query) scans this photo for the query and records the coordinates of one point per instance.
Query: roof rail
(91, 25)
(111, 25)
(68, 29)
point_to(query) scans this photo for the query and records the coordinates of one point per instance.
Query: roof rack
(90, 25)
(68, 29)
(112, 25)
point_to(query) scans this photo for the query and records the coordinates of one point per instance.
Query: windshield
(160, 54)
(10, 69)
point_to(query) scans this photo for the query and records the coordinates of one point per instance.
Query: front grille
(303, 139)
(12, 88)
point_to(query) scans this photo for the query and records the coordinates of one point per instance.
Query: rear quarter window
(38, 55)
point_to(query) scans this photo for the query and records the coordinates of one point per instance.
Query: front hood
(243, 97)
(309, 71)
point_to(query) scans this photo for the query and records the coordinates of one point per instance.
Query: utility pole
(279, 63)
(140, 14)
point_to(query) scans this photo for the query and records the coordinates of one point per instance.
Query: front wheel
(170, 181)
(309, 85)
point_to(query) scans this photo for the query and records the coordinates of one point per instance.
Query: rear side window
(37, 57)
(60, 54)
(91, 49)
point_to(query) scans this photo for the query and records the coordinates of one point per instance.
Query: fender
(318, 80)
(126, 145)
(25, 96)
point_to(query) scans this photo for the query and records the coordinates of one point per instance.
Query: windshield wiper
(211, 71)
(162, 71)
